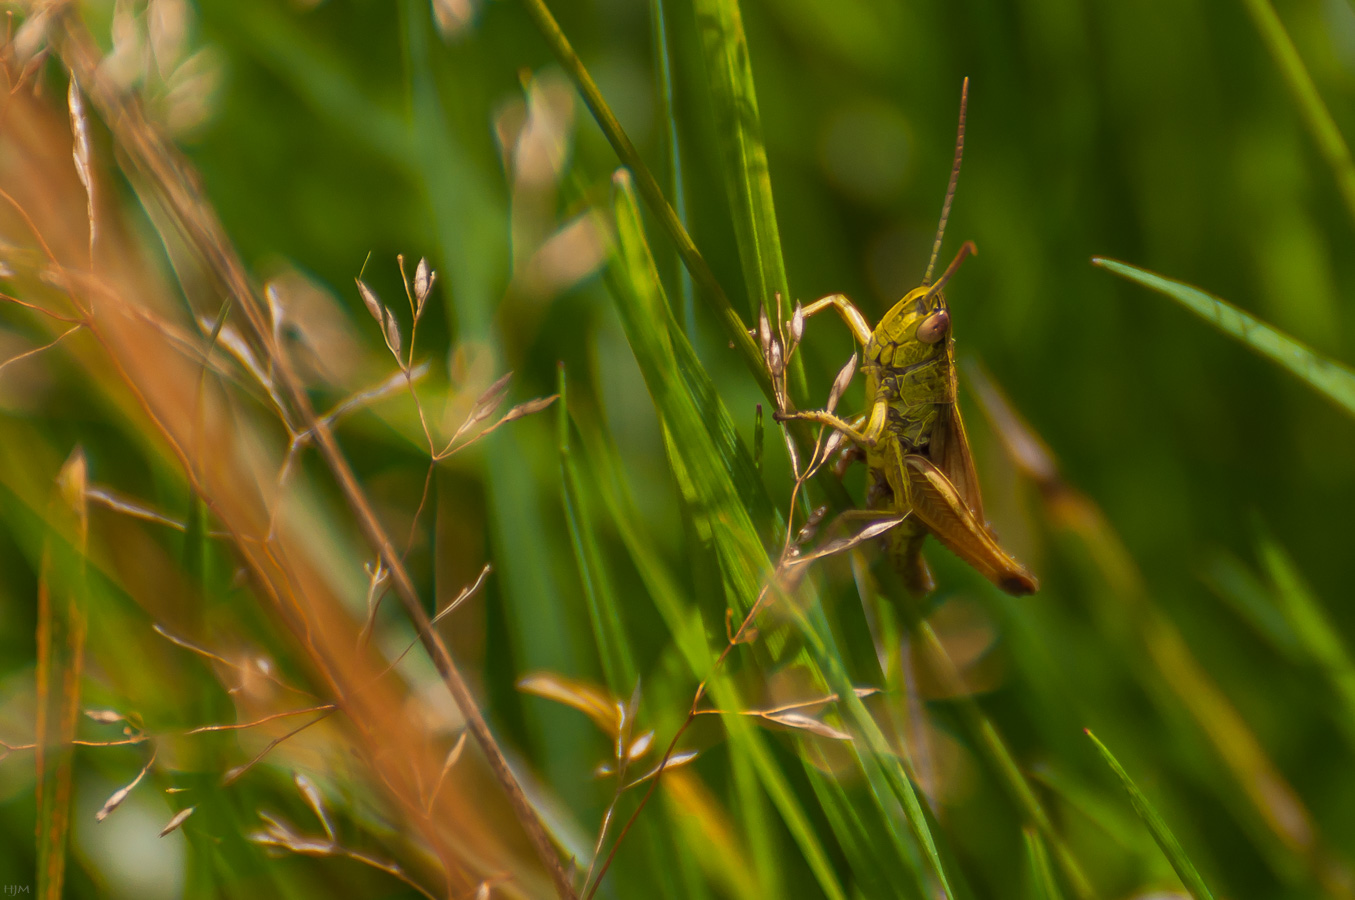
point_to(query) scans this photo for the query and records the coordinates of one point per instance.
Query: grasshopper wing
(937, 503)
(950, 452)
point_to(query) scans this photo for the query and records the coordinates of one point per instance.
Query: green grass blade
(1171, 847)
(646, 318)
(866, 844)
(992, 746)
(604, 613)
(664, 72)
(649, 189)
(738, 127)
(648, 323)
(1316, 633)
(883, 769)
(1237, 586)
(685, 624)
(1315, 114)
(1041, 875)
(704, 473)
(1334, 380)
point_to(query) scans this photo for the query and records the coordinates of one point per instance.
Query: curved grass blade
(649, 189)
(1317, 635)
(603, 610)
(1334, 380)
(1315, 114)
(1042, 876)
(1171, 847)
(663, 70)
(695, 457)
(994, 748)
(738, 129)
(883, 770)
(1174, 672)
(863, 845)
(649, 327)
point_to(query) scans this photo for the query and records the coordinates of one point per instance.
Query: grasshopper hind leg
(905, 552)
(903, 543)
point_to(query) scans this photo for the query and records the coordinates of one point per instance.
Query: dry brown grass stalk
(168, 178)
(137, 359)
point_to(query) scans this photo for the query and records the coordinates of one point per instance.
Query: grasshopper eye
(934, 327)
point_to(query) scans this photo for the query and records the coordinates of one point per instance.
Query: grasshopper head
(915, 330)
(918, 327)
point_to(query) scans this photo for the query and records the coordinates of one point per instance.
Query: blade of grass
(1334, 380)
(1127, 608)
(603, 611)
(999, 757)
(647, 320)
(62, 589)
(982, 731)
(1317, 634)
(1232, 581)
(649, 189)
(664, 73)
(884, 771)
(743, 560)
(689, 634)
(1171, 848)
(1042, 877)
(890, 783)
(685, 624)
(750, 805)
(1314, 111)
(738, 127)
(863, 843)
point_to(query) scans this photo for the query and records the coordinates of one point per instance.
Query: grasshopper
(916, 451)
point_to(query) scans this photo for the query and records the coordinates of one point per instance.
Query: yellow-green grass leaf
(1318, 636)
(1041, 875)
(663, 71)
(1316, 116)
(1334, 380)
(738, 131)
(604, 613)
(1253, 602)
(1171, 847)
(649, 189)
(706, 480)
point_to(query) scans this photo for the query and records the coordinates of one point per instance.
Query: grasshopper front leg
(874, 423)
(860, 328)
(866, 435)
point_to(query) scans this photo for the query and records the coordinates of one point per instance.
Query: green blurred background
(1157, 132)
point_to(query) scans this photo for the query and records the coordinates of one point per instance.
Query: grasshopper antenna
(950, 189)
(966, 250)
